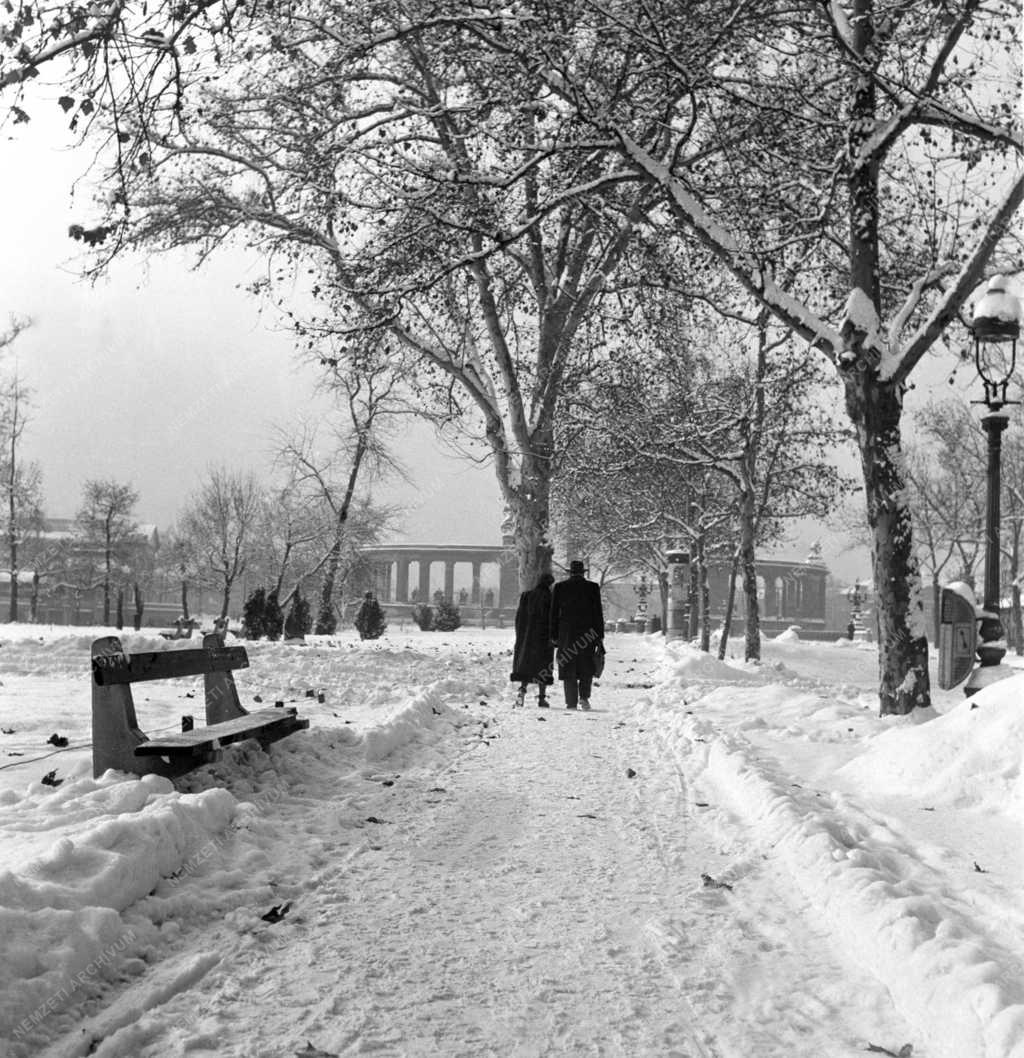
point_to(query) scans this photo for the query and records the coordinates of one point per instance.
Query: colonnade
(393, 563)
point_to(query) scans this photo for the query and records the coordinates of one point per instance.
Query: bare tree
(217, 528)
(16, 326)
(443, 229)
(914, 188)
(106, 523)
(711, 436)
(20, 481)
(448, 176)
(176, 560)
(367, 397)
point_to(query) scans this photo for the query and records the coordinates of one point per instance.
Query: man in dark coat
(577, 629)
(533, 656)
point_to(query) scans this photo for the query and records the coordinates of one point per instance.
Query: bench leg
(115, 731)
(221, 694)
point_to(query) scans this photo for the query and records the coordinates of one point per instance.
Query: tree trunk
(1018, 632)
(108, 562)
(752, 634)
(137, 591)
(13, 545)
(663, 595)
(334, 562)
(747, 559)
(531, 512)
(33, 606)
(703, 598)
(937, 607)
(184, 600)
(226, 601)
(12, 510)
(327, 587)
(285, 559)
(730, 603)
(120, 609)
(874, 407)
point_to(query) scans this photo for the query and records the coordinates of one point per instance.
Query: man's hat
(576, 568)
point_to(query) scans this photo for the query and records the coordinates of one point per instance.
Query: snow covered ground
(720, 861)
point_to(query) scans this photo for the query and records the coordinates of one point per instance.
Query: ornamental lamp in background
(995, 327)
(642, 588)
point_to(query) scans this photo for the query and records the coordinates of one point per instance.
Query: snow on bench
(117, 740)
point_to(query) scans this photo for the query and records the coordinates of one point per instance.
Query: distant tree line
(300, 530)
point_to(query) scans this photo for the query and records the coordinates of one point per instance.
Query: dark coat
(577, 625)
(533, 657)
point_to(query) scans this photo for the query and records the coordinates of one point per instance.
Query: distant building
(58, 578)
(790, 592)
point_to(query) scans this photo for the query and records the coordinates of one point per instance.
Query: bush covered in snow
(446, 616)
(253, 614)
(370, 619)
(299, 621)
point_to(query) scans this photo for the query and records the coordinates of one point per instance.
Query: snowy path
(522, 896)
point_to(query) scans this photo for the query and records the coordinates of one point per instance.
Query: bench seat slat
(112, 669)
(262, 723)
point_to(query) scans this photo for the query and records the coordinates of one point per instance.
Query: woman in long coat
(534, 654)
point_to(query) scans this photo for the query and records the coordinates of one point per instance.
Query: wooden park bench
(182, 629)
(117, 741)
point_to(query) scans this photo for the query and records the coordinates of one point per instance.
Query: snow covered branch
(967, 280)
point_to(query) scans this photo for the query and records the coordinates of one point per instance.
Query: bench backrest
(116, 667)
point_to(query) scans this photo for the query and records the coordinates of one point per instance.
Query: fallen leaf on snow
(713, 883)
(276, 913)
(309, 1051)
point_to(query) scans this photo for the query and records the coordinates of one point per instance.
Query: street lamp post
(995, 325)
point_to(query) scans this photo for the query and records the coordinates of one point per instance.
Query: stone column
(474, 591)
(402, 587)
(449, 580)
(425, 580)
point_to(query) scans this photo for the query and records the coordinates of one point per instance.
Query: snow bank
(953, 986)
(100, 873)
(60, 912)
(961, 991)
(950, 974)
(969, 757)
(685, 664)
(413, 722)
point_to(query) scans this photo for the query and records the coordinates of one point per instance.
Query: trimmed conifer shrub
(273, 619)
(326, 621)
(447, 616)
(370, 619)
(299, 621)
(254, 614)
(423, 615)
